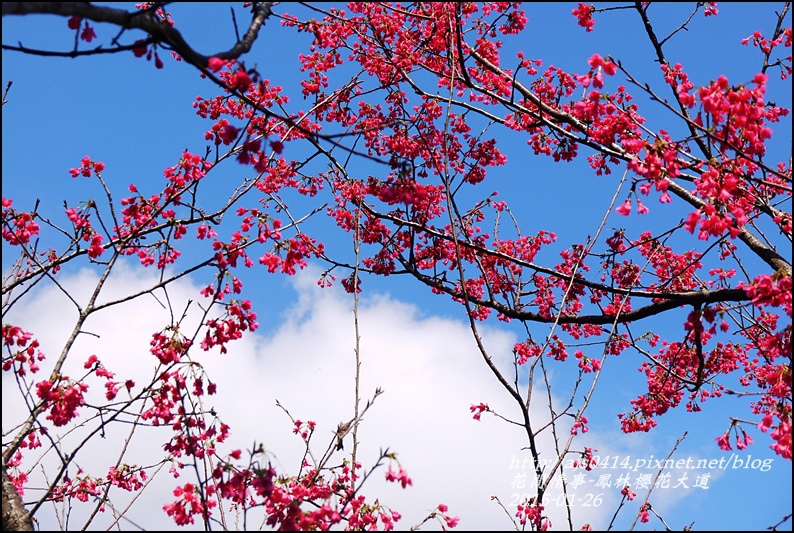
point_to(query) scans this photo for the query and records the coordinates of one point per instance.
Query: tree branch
(159, 30)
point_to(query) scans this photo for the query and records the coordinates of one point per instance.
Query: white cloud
(428, 367)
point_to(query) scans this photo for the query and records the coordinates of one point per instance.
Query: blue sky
(137, 120)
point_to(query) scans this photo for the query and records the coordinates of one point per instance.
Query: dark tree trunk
(15, 517)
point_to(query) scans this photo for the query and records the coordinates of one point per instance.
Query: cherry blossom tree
(393, 138)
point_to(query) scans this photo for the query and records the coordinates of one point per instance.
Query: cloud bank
(428, 367)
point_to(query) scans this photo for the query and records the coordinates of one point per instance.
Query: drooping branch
(159, 30)
(671, 302)
(480, 250)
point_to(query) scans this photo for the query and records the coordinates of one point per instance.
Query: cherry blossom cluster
(766, 45)
(111, 387)
(313, 500)
(238, 318)
(532, 512)
(61, 397)
(586, 459)
(628, 493)
(18, 227)
(735, 121)
(23, 350)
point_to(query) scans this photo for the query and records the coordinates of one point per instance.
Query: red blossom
(187, 505)
(627, 492)
(478, 410)
(401, 476)
(140, 48)
(216, 63)
(586, 459)
(644, 516)
(240, 81)
(584, 15)
(625, 208)
(88, 33)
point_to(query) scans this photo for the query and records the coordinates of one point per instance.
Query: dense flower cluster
(23, 349)
(18, 227)
(62, 398)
